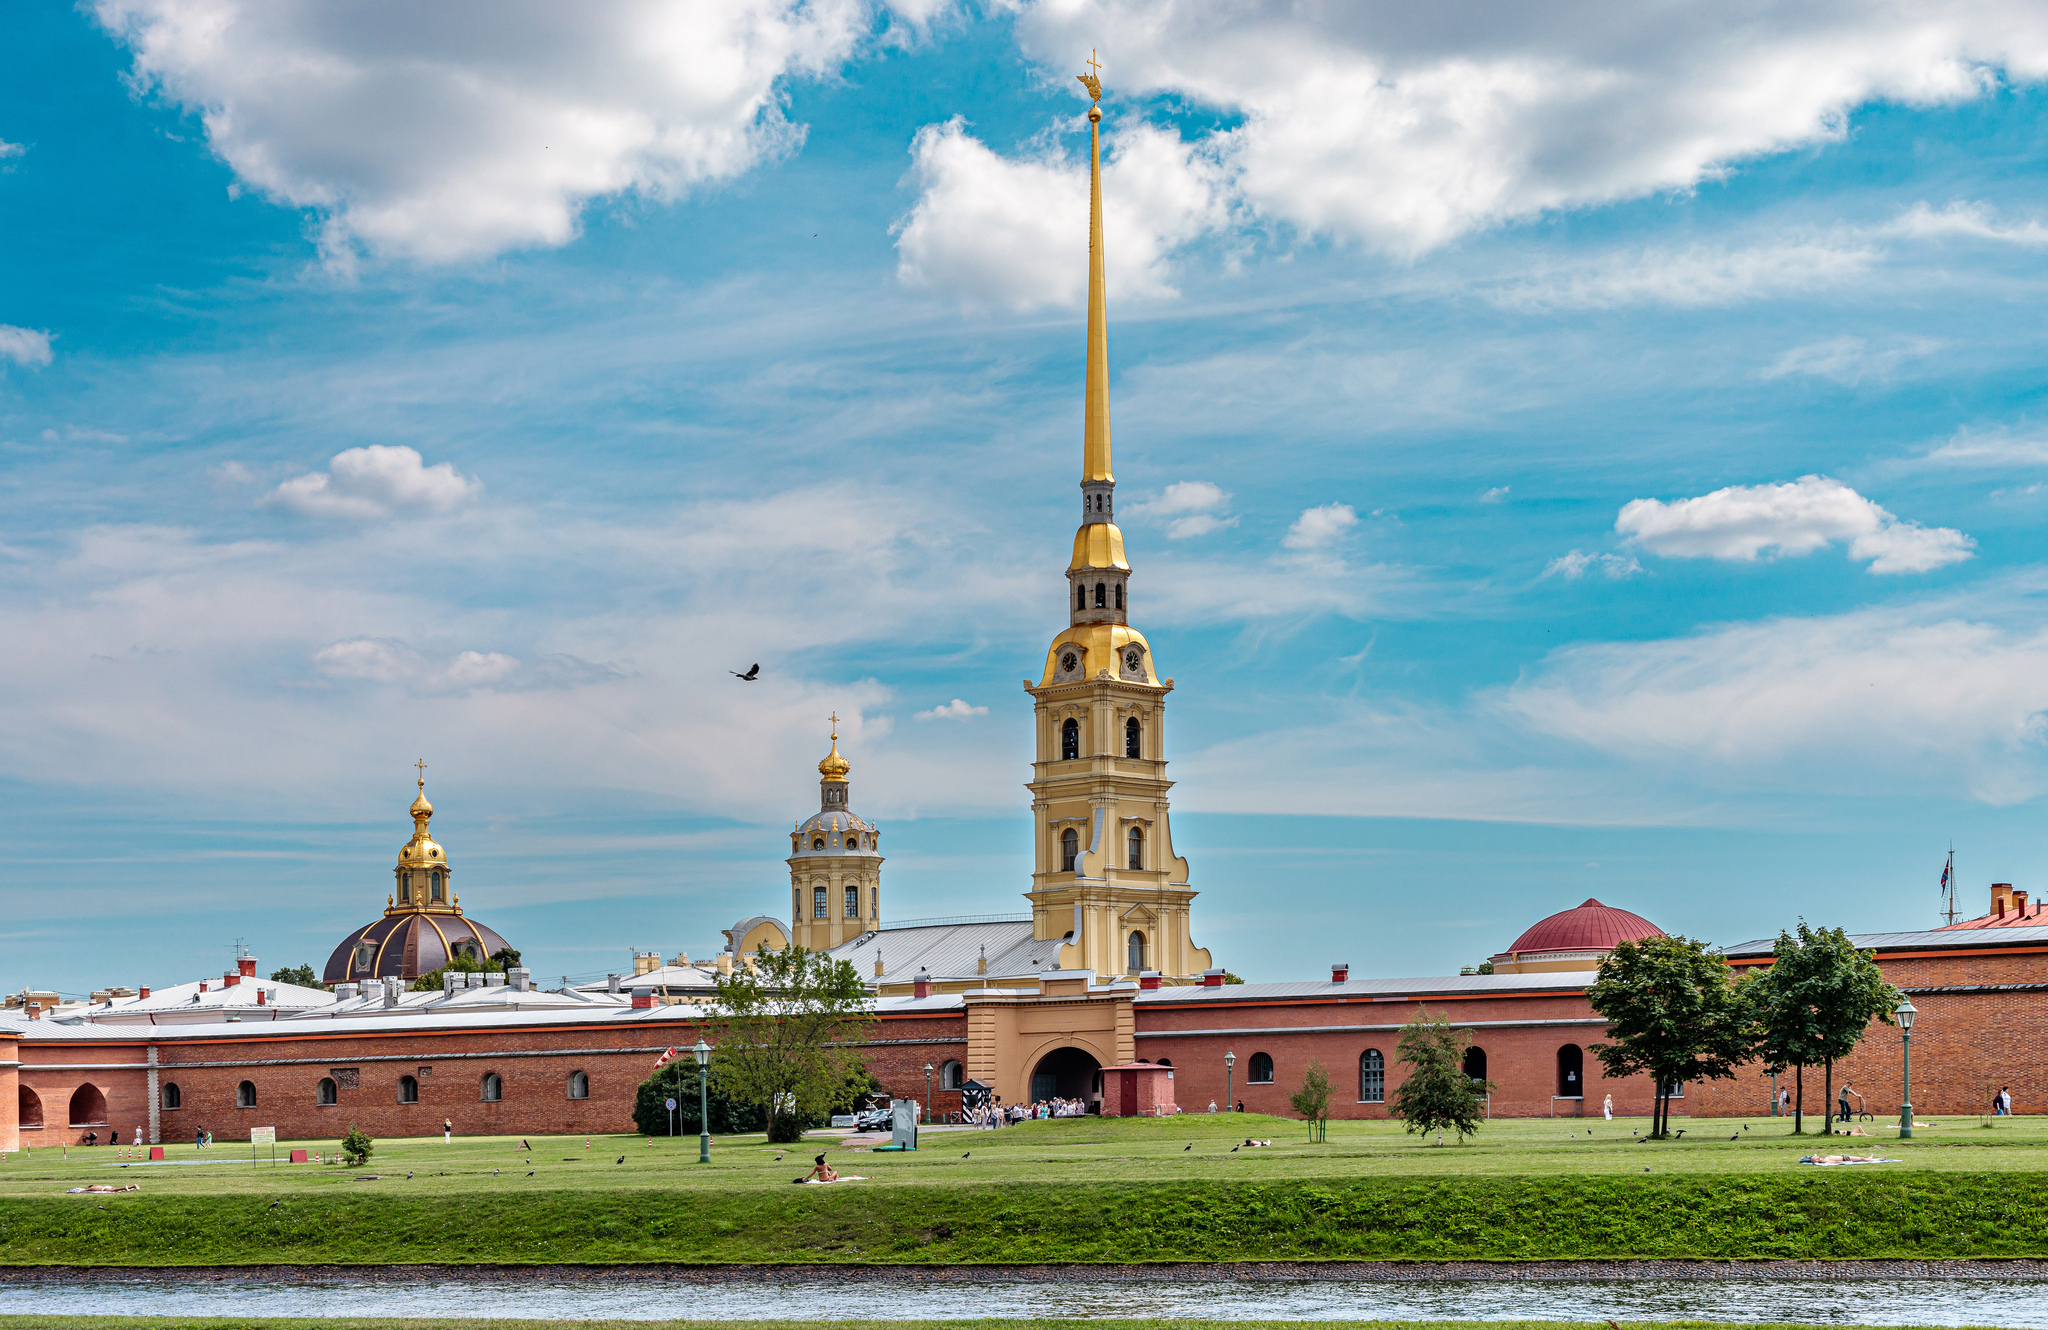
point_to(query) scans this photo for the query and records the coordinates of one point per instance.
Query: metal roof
(1562, 981)
(952, 951)
(1930, 939)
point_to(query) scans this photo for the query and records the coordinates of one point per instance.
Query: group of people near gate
(999, 1114)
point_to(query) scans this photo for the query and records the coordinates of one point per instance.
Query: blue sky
(1601, 457)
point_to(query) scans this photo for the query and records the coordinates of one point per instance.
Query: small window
(1070, 739)
(1261, 1070)
(853, 842)
(1070, 849)
(366, 956)
(173, 1097)
(1101, 595)
(579, 1085)
(1134, 952)
(818, 903)
(949, 1076)
(817, 842)
(1571, 1066)
(324, 1093)
(1372, 1077)
(245, 1095)
(405, 888)
(1119, 595)
(1475, 1064)
(1080, 600)
(408, 1090)
(1134, 738)
(494, 1089)
(1137, 848)
(436, 885)
(853, 902)
(1674, 1089)
(874, 902)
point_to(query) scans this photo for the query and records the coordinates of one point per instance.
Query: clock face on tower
(1070, 662)
(1131, 661)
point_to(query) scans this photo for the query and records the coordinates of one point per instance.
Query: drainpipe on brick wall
(155, 1101)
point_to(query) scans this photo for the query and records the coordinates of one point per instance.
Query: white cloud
(1575, 564)
(1880, 695)
(11, 149)
(381, 660)
(1186, 508)
(457, 131)
(1976, 221)
(1988, 448)
(1498, 494)
(1690, 278)
(1403, 127)
(1320, 528)
(953, 710)
(24, 346)
(1013, 232)
(1848, 360)
(366, 484)
(1798, 517)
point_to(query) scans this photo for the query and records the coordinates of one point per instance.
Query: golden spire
(1095, 430)
(421, 809)
(834, 767)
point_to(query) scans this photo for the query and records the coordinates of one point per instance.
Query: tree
(302, 975)
(505, 958)
(1437, 1093)
(460, 963)
(1672, 1011)
(1814, 1004)
(787, 1029)
(1312, 1100)
(678, 1081)
(356, 1147)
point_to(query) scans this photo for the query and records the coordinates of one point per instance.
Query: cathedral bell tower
(835, 870)
(1107, 880)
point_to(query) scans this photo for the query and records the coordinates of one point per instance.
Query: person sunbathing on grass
(823, 1172)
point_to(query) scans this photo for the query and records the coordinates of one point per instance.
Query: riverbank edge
(1876, 1268)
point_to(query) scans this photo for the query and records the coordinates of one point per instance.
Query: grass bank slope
(355, 1323)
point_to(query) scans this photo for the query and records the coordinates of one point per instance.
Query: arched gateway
(1066, 1073)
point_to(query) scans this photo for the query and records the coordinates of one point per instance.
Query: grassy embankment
(384, 1323)
(1078, 1190)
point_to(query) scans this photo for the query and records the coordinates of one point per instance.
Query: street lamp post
(1906, 1011)
(1774, 1094)
(1229, 1075)
(927, 1092)
(703, 1052)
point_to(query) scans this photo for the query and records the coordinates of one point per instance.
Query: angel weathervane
(1092, 81)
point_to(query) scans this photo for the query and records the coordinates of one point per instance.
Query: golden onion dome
(834, 767)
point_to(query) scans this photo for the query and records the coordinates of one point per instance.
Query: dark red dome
(408, 945)
(1590, 927)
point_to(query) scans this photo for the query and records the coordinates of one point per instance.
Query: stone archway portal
(1066, 1073)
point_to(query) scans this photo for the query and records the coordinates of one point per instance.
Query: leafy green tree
(461, 963)
(505, 958)
(301, 975)
(1437, 1092)
(1312, 1100)
(1814, 1004)
(678, 1081)
(787, 1028)
(1672, 1012)
(1485, 967)
(356, 1147)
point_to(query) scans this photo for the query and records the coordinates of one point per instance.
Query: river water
(1819, 1301)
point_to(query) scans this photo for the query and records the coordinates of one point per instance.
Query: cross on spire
(835, 725)
(1093, 63)
(422, 765)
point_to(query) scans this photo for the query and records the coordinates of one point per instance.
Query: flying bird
(753, 673)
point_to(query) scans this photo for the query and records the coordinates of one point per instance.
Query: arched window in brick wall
(408, 1090)
(493, 1088)
(325, 1094)
(1261, 1070)
(173, 1097)
(1372, 1077)
(579, 1085)
(245, 1095)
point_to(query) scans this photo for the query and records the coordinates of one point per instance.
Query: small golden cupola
(835, 863)
(422, 874)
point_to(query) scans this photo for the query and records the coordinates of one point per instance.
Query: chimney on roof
(494, 979)
(611, 983)
(344, 992)
(450, 981)
(35, 1011)
(202, 985)
(392, 988)
(1212, 978)
(262, 998)
(878, 963)
(246, 965)
(921, 985)
(230, 979)
(2019, 902)
(519, 979)
(643, 998)
(725, 962)
(1340, 973)
(2001, 898)
(144, 993)
(981, 966)
(1148, 979)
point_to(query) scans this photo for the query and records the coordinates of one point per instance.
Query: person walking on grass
(1607, 1108)
(447, 1130)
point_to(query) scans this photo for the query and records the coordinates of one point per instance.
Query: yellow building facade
(835, 867)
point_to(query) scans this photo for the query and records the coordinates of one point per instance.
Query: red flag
(665, 1059)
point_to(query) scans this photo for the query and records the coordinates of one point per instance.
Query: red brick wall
(1521, 1059)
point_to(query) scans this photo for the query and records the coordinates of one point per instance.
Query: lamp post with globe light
(1906, 1011)
(927, 1092)
(1229, 1074)
(703, 1052)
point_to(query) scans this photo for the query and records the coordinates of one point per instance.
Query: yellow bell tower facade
(1106, 879)
(835, 865)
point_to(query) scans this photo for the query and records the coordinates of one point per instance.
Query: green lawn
(1076, 1190)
